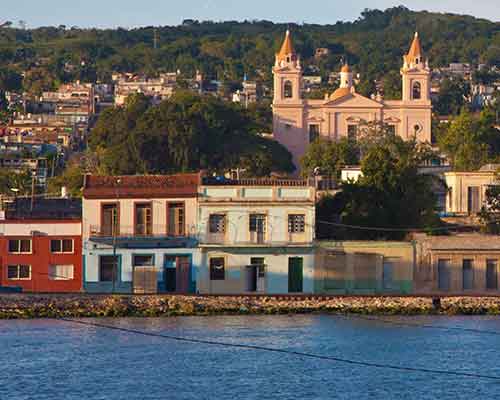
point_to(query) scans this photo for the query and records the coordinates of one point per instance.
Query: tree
(490, 213)
(391, 194)
(452, 96)
(187, 132)
(329, 156)
(10, 179)
(463, 142)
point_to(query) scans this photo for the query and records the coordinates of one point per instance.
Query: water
(47, 359)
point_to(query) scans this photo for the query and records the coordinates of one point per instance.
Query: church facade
(298, 121)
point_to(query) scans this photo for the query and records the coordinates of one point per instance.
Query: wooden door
(295, 274)
(183, 274)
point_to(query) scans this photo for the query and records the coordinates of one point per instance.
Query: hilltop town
(292, 166)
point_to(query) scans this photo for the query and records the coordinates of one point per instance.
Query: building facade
(297, 121)
(139, 234)
(365, 267)
(467, 190)
(256, 236)
(41, 246)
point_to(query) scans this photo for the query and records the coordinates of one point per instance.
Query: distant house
(467, 190)
(41, 246)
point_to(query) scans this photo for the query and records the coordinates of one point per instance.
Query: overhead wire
(286, 351)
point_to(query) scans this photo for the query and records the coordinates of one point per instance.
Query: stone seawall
(78, 306)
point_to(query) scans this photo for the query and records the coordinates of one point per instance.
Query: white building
(256, 236)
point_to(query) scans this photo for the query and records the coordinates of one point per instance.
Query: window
(473, 206)
(175, 219)
(20, 246)
(61, 272)
(258, 223)
(313, 133)
(61, 246)
(143, 260)
(110, 221)
(288, 90)
(217, 223)
(143, 219)
(260, 263)
(391, 130)
(296, 223)
(467, 274)
(257, 227)
(416, 91)
(352, 132)
(217, 269)
(19, 272)
(108, 268)
(492, 274)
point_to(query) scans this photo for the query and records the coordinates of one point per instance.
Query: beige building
(364, 267)
(461, 264)
(297, 121)
(467, 190)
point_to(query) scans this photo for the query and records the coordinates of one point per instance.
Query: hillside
(374, 44)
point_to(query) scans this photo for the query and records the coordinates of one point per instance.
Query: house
(41, 246)
(459, 264)
(139, 233)
(298, 121)
(467, 190)
(256, 236)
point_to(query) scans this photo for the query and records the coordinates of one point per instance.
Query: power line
(284, 351)
(418, 325)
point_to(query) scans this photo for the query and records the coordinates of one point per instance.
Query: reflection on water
(48, 359)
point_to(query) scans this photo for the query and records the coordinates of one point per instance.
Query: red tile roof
(141, 186)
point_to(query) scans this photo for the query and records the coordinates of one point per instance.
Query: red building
(41, 249)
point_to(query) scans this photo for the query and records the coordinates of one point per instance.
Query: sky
(134, 13)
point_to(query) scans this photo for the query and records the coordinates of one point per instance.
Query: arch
(288, 90)
(416, 91)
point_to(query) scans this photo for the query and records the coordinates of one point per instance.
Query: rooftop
(141, 186)
(44, 209)
(221, 181)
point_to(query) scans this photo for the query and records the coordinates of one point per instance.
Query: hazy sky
(132, 13)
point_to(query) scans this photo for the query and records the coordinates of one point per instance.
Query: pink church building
(297, 121)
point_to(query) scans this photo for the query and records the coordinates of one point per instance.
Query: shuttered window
(217, 223)
(61, 272)
(217, 269)
(296, 223)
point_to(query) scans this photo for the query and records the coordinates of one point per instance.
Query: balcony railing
(139, 231)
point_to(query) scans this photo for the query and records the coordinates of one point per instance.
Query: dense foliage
(187, 132)
(470, 141)
(374, 44)
(391, 194)
(490, 214)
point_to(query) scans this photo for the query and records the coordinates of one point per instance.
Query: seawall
(78, 306)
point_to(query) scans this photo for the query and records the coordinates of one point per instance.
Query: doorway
(295, 275)
(177, 274)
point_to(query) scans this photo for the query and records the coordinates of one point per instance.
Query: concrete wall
(358, 267)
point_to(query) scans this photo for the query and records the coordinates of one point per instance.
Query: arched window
(288, 90)
(416, 91)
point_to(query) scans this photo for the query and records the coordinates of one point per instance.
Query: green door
(295, 274)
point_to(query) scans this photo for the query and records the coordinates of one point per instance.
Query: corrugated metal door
(295, 274)
(444, 274)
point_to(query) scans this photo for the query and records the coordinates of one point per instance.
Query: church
(298, 121)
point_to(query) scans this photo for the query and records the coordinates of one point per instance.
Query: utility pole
(33, 175)
(155, 39)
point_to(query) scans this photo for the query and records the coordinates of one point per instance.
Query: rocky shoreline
(14, 306)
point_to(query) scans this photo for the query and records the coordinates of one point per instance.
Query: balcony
(153, 236)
